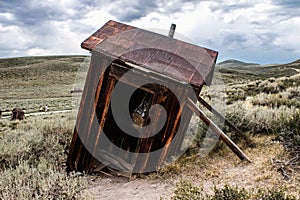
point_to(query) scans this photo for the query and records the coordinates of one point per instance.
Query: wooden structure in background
(116, 49)
(17, 113)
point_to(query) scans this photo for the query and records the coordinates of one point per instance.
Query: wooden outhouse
(151, 69)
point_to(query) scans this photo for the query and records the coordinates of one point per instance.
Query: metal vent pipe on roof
(172, 30)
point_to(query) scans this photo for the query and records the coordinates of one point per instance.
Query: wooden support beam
(217, 130)
(228, 123)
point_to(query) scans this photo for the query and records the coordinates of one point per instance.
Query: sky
(258, 31)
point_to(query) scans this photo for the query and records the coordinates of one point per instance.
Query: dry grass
(33, 155)
(33, 82)
(224, 169)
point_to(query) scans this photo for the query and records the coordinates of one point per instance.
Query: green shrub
(33, 157)
(235, 94)
(272, 194)
(277, 100)
(33, 142)
(293, 92)
(258, 119)
(185, 190)
(272, 86)
(288, 128)
(41, 182)
(229, 193)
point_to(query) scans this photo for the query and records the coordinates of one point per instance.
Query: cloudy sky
(261, 31)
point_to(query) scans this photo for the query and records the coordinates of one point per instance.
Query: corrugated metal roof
(168, 56)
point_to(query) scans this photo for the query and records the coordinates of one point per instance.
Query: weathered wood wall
(95, 115)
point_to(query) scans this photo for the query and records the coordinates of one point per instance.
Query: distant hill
(235, 63)
(295, 64)
(235, 70)
(53, 76)
(38, 77)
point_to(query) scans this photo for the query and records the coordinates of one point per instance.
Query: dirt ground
(217, 170)
(111, 188)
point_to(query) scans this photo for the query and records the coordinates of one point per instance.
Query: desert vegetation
(33, 152)
(263, 101)
(33, 155)
(266, 109)
(186, 190)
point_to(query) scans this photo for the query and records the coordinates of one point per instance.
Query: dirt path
(41, 113)
(297, 70)
(112, 188)
(206, 173)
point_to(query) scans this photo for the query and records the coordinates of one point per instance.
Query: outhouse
(133, 114)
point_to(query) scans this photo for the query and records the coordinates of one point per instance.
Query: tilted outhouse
(132, 71)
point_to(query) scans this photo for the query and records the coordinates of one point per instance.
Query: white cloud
(288, 34)
(6, 17)
(12, 37)
(259, 31)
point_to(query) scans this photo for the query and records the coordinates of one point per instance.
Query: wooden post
(217, 130)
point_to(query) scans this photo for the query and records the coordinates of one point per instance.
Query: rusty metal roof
(161, 54)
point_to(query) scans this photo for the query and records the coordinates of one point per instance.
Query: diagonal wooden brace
(228, 123)
(217, 130)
